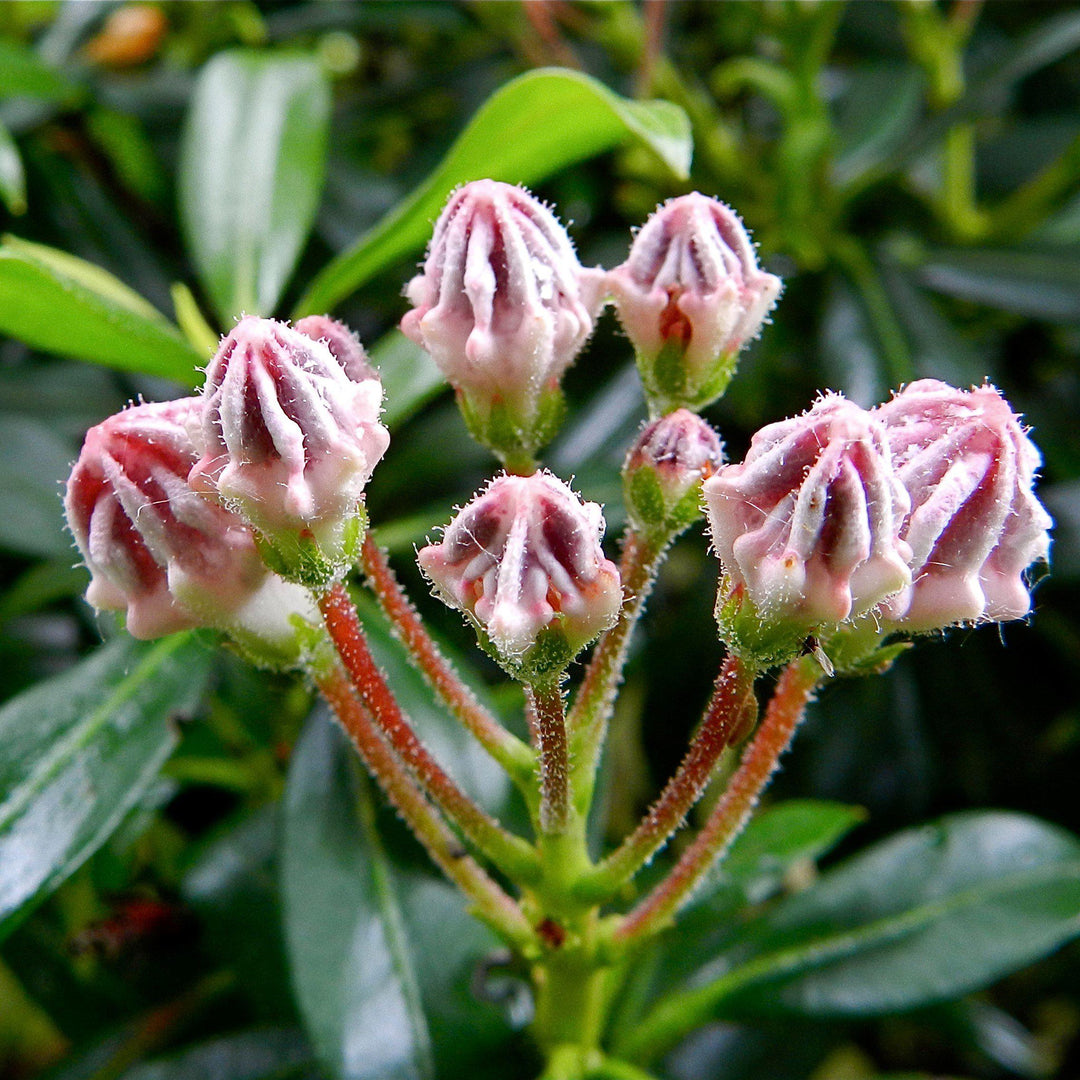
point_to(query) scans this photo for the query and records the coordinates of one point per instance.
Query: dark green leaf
(34, 462)
(1044, 284)
(409, 376)
(78, 751)
(251, 173)
(925, 916)
(61, 304)
(352, 969)
(531, 128)
(260, 1054)
(24, 74)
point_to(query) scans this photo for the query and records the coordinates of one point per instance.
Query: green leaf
(409, 376)
(78, 751)
(922, 917)
(61, 304)
(34, 462)
(259, 1054)
(252, 164)
(1043, 284)
(532, 127)
(383, 957)
(24, 74)
(12, 175)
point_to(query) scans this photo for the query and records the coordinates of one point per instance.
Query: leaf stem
(732, 693)
(546, 712)
(493, 905)
(510, 752)
(514, 856)
(759, 762)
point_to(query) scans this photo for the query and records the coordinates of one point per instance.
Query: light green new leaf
(24, 74)
(534, 126)
(925, 916)
(252, 164)
(78, 751)
(61, 304)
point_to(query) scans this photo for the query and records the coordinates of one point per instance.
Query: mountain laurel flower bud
(807, 525)
(975, 525)
(288, 440)
(689, 296)
(664, 471)
(523, 561)
(169, 557)
(503, 307)
(343, 344)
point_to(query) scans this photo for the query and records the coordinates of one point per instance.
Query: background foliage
(177, 843)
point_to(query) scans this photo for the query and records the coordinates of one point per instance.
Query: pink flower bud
(975, 525)
(664, 470)
(503, 307)
(169, 557)
(288, 440)
(689, 296)
(342, 343)
(523, 559)
(808, 523)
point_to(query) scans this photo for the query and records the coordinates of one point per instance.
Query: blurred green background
(911, 170)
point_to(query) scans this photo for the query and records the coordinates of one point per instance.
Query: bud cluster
(178, 508)
(920, 511)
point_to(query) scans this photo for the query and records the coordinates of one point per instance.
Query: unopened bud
(975, 525)
(689, 296)
(806, 526)
(156, 549)
(664, 471)
(288, 440)
(503, 307)
(524, 561)
(343, 344)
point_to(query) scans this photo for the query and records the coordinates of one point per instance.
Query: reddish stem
(722, 721)
(785, 710)
(495, 905)
(510, 853)
(547, 721)
(508, 751)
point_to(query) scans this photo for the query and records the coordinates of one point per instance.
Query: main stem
(494, 905)
(785, 710)
(732, 695)
(510, 853)
(510, 752)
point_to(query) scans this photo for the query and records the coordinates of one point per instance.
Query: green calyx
(657, 512)
(512, 431)
(299, 555)
(671, 383)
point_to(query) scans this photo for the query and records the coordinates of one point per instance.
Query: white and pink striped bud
(524, 561)
(975, 525)
(156, 549)
(807, 525)
(288, 440)
(664, 471)
(343, 344)
(503, 306)
(689, 296)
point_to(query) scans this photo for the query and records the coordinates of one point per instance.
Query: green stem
(547, 721)
(514, 856)
(588, 718)
(510, 752)
(723, 719)
(727, 819)
(493, 905)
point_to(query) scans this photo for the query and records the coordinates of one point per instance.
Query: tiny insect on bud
(689, 296)
(288, 440)
(664, 471)
(975, 525)
(503, 307)
(523, 560)
(806, 526)
(156, 549)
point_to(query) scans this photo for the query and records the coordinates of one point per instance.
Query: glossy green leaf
(34, 462)
(12, 175)
(24, 74)
(532, 127)
(252, 164)
(383, 957)
(60, 304)
(409, 376)
(925, 916)
(78, 751)
(259, 1054)
(1043, 284)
